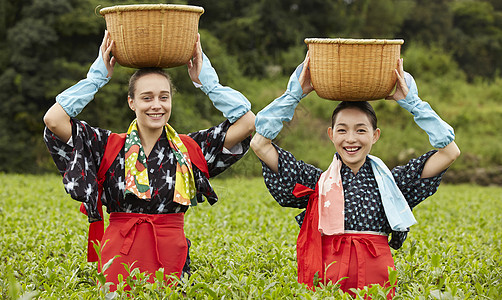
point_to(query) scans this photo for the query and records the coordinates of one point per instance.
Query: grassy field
(244, 246)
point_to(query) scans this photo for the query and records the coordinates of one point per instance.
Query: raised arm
(269, 120)
(441, 160)
(58, 121)
(441, 134)
(234, 106)
(71, 101)
(265, 151)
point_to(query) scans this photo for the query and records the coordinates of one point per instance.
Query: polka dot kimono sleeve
(414, 188)
(291, 172)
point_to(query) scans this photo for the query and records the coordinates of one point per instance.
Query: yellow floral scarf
(136, 170)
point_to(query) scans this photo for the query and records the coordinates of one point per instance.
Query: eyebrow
(150, 92)
(358, 124)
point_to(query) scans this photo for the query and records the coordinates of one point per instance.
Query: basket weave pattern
(353, 70)
(158, 35)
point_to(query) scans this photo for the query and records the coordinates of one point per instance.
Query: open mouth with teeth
(351, 149)
(155, 116)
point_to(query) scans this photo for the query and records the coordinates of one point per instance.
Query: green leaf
(316, 278)
(435, 259)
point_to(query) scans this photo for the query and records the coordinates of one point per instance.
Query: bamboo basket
(152, 35)
(353, 69)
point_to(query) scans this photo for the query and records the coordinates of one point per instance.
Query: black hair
(363, 106)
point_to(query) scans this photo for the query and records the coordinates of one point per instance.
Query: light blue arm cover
(440, 133)
(269, 120)
(75, 98)
(230, 102)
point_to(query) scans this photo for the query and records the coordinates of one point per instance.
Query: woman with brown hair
(155, 174)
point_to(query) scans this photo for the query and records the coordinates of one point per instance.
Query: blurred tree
(48, 45)
(470, 30)
(429, 23)
(477, 38)
(432, 63)
(30, 42)
(374, 19)
(254, 31)
(271, 32)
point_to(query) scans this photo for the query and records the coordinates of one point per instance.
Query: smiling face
(353, 135)
(151, 101)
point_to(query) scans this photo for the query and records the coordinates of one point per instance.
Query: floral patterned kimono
(146, 232)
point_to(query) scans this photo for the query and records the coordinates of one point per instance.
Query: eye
(164, 97)
(146, 98)
(341, 130)
(362, 130)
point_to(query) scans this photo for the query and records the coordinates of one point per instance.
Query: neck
(354, 167)
(149, 138)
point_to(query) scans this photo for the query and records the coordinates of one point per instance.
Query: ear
(130, 101)
(330, 133)
(376, 135)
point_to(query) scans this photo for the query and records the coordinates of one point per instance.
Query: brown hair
(146, 71)
(363, 106)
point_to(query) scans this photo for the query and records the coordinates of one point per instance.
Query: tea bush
(244, 247)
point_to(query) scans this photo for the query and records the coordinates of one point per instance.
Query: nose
(351, 137)
(156, 103)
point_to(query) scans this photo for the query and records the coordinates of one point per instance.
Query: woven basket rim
(136, 7)
(353, 41)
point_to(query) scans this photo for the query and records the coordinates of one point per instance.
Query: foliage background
(453, 48)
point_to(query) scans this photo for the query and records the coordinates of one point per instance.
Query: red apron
(362, 258)
(149, 241)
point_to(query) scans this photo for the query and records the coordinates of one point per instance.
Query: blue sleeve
(75, 98)
(230, 102)
(440, 133)
(269, 120)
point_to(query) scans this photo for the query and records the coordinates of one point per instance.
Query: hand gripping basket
(152, 35)
(353, 69)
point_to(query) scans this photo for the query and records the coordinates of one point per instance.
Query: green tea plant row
(244, 247)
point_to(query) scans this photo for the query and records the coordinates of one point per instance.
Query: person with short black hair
(353, 206)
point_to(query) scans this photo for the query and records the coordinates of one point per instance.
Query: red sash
(309, 245)
(113, 146)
